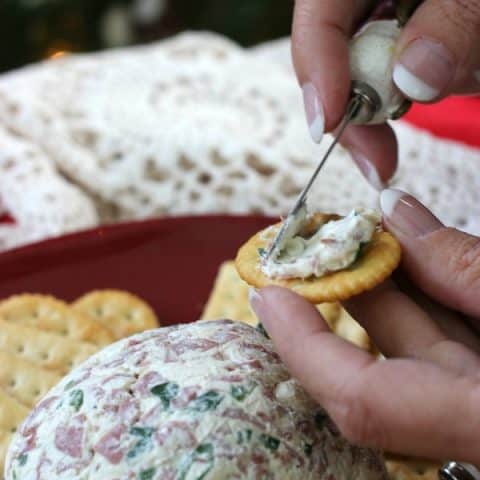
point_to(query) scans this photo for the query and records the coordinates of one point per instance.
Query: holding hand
(424, 399)
(438, 54)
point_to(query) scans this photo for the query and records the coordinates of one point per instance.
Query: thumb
(443, 262)
(439, 50)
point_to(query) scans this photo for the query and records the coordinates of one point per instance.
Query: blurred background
(32, 30)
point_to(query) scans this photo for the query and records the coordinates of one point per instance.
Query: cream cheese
(335, 246)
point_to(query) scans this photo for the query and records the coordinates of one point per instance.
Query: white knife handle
(371, 64)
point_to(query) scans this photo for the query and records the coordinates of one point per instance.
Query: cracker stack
(43, 338)
(229, 299)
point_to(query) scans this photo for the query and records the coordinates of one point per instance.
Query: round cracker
(49, 314)
(380, 257)
(123, 313)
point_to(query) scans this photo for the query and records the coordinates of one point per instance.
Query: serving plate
(171, 262)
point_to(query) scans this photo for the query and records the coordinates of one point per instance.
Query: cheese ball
(204, 401)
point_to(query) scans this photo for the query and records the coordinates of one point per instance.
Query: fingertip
(368, 169)
(314, 112)
(389, 199)
(407, 218)
(283, 311)
(291, 323)
(443, 262)
(325, 101)
(437, 44)
(412, 85)
(305, 343)
(320, 35)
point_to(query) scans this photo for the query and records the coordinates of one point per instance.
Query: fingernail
(424, 70)
(407, 216)
(256, 301)
(313, 112)
(368, 170)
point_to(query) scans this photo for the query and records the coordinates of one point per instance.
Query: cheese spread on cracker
(334, 246)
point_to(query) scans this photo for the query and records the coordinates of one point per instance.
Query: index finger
(320, 34)
(400, 405)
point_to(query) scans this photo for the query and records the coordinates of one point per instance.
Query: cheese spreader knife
(374, 97)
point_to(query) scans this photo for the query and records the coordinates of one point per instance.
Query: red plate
(171, 263)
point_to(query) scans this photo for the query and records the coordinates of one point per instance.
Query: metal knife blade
(355, 105)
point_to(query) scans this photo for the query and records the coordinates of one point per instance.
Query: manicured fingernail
(256, 301)
(424, 70)
(407, 216)
(313, 112)
(368, 170)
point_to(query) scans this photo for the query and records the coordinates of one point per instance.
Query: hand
(438, 54)
(424, 399)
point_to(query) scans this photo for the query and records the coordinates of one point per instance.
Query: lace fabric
(194, 124)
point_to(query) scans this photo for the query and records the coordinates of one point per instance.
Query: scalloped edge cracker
(44, 349)
(123, 313)
(380, 258)
(24, 381)
(12, 415)
(229, 297)
(49, 314)
(12, 412)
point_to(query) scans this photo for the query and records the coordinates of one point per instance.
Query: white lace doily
(194, 124)
(42, 201)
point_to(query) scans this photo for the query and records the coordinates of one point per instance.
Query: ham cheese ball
(204, 401)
